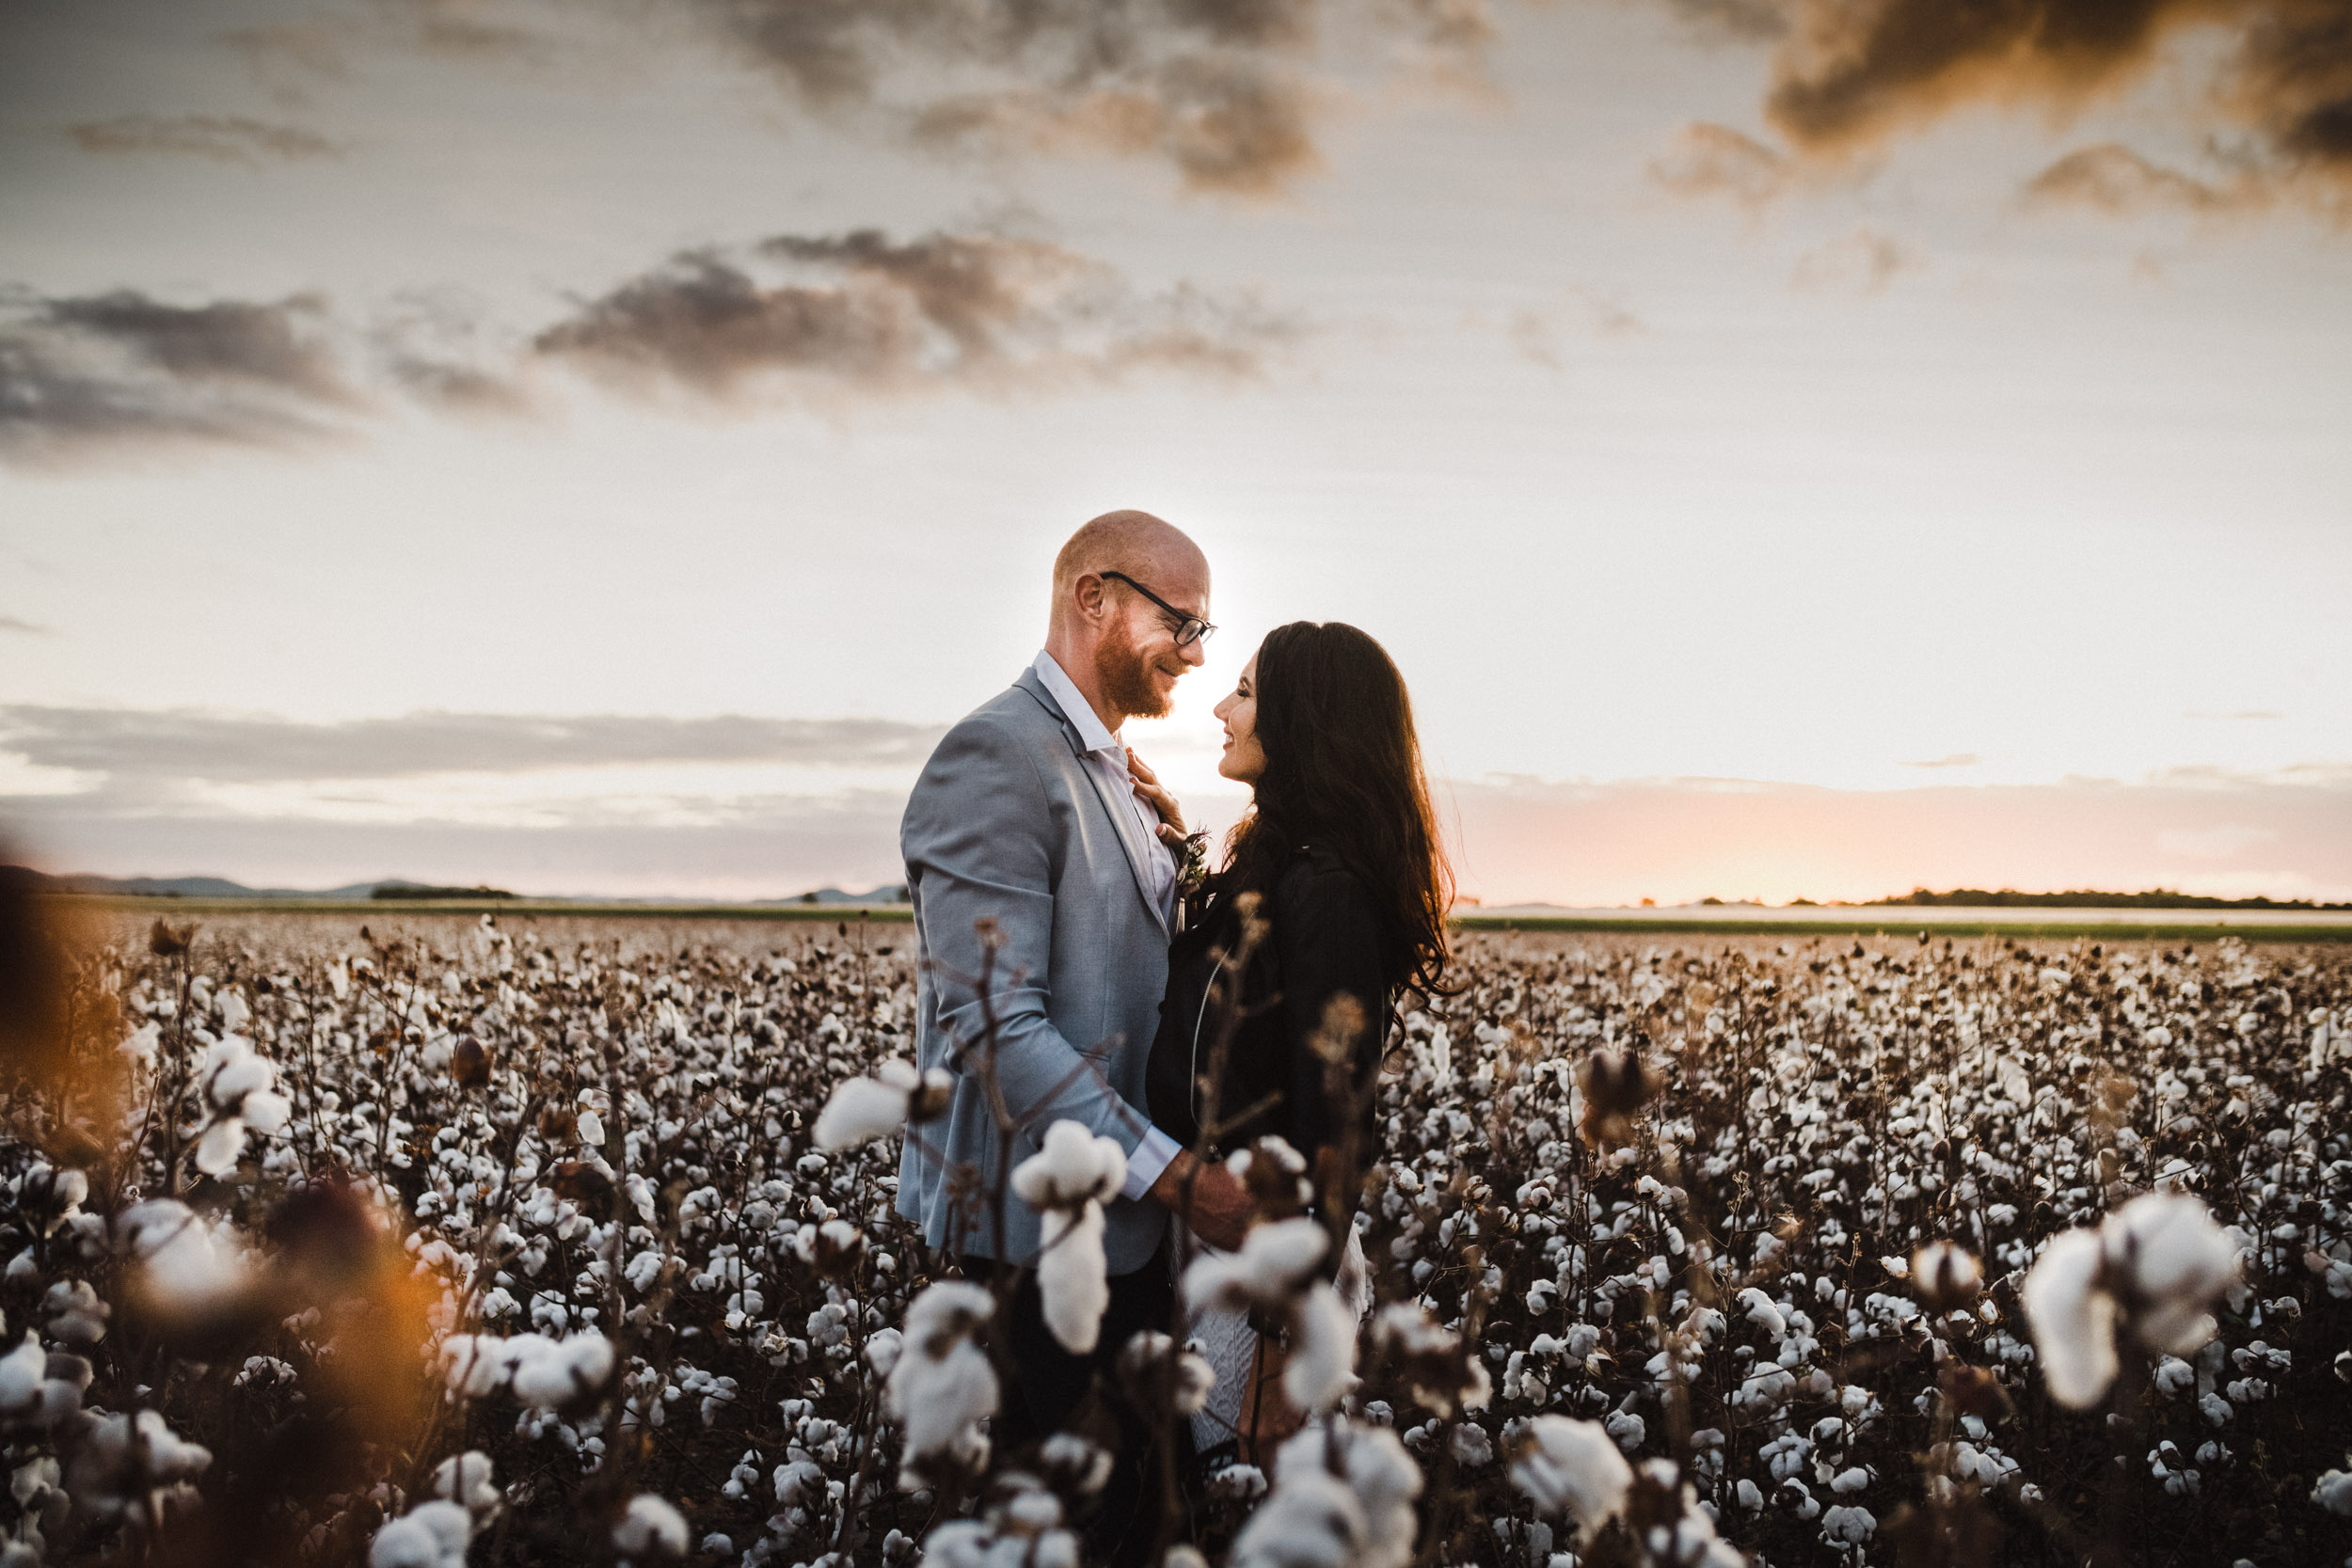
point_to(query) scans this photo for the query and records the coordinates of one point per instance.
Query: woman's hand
(1171, 829)
(1207, 1197)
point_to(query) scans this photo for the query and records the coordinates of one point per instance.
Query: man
(1028, 822)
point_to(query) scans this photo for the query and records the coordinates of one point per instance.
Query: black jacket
(1326, 935)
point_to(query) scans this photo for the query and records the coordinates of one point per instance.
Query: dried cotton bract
(2157, 1263)
(1068, 1181)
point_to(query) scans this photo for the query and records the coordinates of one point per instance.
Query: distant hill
(196, 887)
(383, 887)
(895, 893)
(2158, 898)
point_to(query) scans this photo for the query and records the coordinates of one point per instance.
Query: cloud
(193, 744)
(1225, 92)
(1734, 20)
(2251, 714)
(1862, 262)
(2114, 178)
(1957, 759)
(1716, 160)
(440, 350)
(854, 313)
(760, 846)
(101, 370)
(862, 311)
(1853, 70)
(1228, 126)
(226, 139)
(10, 623)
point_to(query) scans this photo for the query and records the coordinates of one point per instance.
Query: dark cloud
(170, 745)
(856, 313)
(862, 311)
(12, 622)
(223, 138)
(1734, 20)
(1217, 89)
(102, 369)
(1223, 91)
(1856, 69)
(1194, 82)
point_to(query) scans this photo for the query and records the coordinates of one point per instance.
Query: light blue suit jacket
(1008, 823)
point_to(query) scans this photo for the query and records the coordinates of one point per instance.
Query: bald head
(1137, 543)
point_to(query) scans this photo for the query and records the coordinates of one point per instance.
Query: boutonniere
(1192, 863)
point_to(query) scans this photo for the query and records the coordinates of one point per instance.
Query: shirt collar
(1074, 707)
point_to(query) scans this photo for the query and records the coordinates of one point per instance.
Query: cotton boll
(465, 1479)
(2073, 1320)
(2171, 1262)
(1071, 1276)
(450, 1527)
(1761, 1313)
(943, 1386)
(223, 1142)
(650, 1528)
(859, 1111)
(1376, 1473)
(22, 1372)
(265, 1112)
(231, 1071)
(1274, 1264)
(1309, 1521)
(2333, 1492)
(1071, 1166)
(403, 1544)
(591, 1128)
(1322, 1364)
(1845, 1525)
(1571, 1467)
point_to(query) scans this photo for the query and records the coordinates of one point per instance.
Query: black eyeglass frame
(1183, 638)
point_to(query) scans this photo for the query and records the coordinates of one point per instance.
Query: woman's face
(1244, 759)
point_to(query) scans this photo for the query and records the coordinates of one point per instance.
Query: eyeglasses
(1190, 628)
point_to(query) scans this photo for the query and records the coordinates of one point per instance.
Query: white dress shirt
(1107, 754)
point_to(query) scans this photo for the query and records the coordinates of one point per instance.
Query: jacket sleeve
(1327, 936)
(980, 841)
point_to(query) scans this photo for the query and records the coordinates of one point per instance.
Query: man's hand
(1217, 1206)
(1171, 829)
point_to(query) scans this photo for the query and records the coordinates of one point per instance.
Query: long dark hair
(1342, 772)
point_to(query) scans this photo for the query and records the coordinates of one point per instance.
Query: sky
(1792, 447)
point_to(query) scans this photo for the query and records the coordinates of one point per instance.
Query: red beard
(1126, 677)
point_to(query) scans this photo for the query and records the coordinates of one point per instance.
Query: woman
(1332, 898)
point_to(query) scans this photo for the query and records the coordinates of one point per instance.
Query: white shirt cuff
(1150, 1158)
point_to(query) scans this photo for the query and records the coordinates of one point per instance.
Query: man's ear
(1089, 595)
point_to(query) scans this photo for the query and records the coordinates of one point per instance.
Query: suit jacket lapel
(1122, 816)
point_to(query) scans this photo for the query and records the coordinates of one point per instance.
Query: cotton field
(434, 1241)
